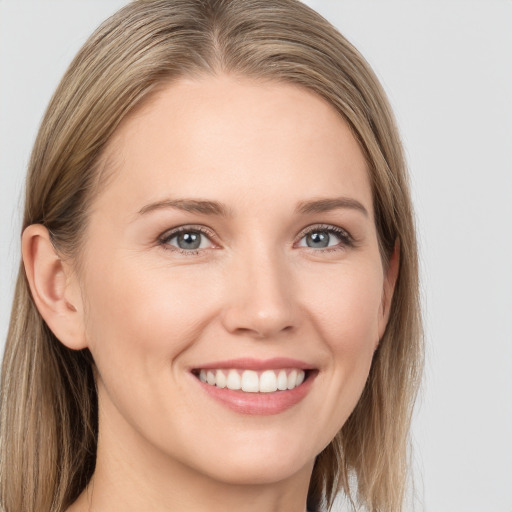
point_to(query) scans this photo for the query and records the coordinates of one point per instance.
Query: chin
(261, 472)
(258, 461)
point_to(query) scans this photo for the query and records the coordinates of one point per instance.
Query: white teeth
(234, 381)
(268, 382)
(292, 379)
(221, 380)
(250, 381)
(282, 381)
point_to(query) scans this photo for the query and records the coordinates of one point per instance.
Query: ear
(54, 287)
(389, 288)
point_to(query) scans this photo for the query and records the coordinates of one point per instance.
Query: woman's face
(234, 242)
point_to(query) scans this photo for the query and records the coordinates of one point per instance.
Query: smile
(256, 387)
(251, 381)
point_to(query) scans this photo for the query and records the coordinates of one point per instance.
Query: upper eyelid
(208, 231)
(187, 227)
(323, 227)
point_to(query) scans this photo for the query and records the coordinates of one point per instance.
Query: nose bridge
(261, 300)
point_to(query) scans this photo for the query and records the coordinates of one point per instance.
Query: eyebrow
(206, 207)
(189, 205)
(329, 204)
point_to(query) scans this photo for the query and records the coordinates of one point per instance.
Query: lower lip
(262, 404)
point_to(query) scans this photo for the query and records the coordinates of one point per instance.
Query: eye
(325, 237)
(187, 239)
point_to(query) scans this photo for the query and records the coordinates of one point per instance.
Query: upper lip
(248, 363)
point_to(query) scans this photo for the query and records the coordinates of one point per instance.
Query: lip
(248, 363)
(258, 404)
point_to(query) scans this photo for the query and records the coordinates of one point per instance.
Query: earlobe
(54, 289)
(389, 288)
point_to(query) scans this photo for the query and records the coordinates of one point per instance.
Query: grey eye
(188, 240)
(320, 239)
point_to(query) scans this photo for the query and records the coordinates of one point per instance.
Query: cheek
(347, 307)
(139, 321)
(134, 312)
(347, 316)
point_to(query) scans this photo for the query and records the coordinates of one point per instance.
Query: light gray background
(447, 67)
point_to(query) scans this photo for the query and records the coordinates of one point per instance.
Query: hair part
(48, 396)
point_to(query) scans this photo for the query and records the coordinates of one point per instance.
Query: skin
(149, 313)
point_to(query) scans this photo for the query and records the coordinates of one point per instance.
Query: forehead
(223, 137)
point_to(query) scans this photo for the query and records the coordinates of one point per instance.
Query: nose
(261, 301)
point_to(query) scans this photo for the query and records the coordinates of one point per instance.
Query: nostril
(263, 327)
(259, 309)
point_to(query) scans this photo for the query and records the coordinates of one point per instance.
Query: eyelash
(169, 235)
(347, 241)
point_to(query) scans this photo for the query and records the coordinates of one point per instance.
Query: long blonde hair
(48, 396)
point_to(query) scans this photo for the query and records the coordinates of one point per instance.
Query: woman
(218, 303)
